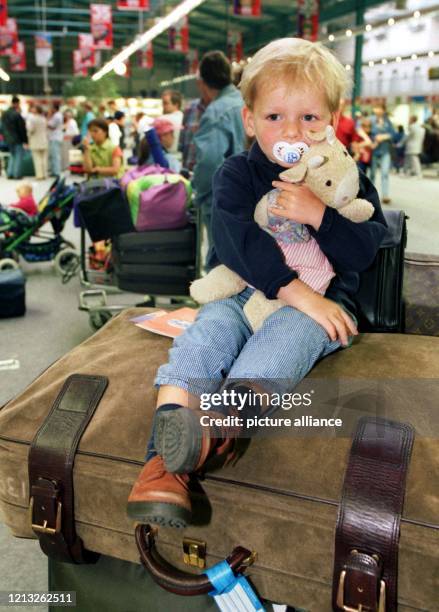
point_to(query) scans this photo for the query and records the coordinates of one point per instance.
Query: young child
(26, 200)
(290, 87)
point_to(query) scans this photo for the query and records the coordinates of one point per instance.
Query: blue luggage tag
(232, 593)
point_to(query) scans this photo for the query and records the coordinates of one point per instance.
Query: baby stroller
(23, 235)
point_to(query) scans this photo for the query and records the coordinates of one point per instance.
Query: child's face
(285, 114)
(98, 135)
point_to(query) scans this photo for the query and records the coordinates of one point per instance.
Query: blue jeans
(220, 345)
(383, 162)
(55, 157)
(15, 162)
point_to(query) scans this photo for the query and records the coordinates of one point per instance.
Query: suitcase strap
(367, 534)
(51, 459)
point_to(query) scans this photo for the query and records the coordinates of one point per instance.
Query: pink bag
(139, 171)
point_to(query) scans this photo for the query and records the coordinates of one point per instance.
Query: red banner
(102, 25)
(133, 5)
(247, 8)
(8, 37)
(17, 61)
(179, 36)
(308, 19)
(146, 57)
(3, 12)
(87, 50)
(78, 68)
(234, 46)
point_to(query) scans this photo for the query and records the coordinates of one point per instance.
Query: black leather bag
(379, 298)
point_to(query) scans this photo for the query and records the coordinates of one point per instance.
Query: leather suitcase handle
(174, 580)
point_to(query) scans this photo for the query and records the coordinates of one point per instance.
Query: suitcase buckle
(194, 552)
(44, 528)
(360, 608)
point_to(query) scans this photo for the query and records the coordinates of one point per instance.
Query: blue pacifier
(289, 153)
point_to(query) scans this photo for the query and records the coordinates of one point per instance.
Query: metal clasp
(194, 552)
(44, 528)
(360, 608)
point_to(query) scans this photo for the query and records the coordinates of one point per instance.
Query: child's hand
(336, 322)
(298, 203)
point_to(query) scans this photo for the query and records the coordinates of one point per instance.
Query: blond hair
(24, 189)
(295, 61)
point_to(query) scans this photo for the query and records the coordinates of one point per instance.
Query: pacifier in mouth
(289, 153)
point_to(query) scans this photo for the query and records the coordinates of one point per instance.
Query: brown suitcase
(279, 500)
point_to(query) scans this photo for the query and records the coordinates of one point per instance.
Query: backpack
(144, 170)
(159, 201)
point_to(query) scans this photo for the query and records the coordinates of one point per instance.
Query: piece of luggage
(12, 293)
(421, 294)
(145, 170)
(159, 201)
(156, 247)
(154, 278)
(27, 165)
(280, 499)
(103, 208)
(379, 298)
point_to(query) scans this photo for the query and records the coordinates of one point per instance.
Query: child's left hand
(298, 203)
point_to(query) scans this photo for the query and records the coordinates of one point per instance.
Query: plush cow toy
(332, 174)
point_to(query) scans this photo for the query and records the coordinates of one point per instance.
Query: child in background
(165, 131)
(290, 87)
(26, 200)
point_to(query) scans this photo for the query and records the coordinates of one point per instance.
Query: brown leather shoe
(160, 497)
(186, 445)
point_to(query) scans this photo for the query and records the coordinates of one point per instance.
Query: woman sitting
(101, 158)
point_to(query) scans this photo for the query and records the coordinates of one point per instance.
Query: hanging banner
(3, 12)
(8, 37)
(192, 61)
(17, 61)
(43, 49)
(133, 5)
(179, 36)
(308, 19)
(78, 68)
(101, 25)
(146, 57)
(234, 46)
(87, 50)
(247, 8)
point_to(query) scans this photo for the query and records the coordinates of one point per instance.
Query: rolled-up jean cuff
(195, 389)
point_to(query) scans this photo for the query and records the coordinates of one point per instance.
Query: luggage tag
(232, 593)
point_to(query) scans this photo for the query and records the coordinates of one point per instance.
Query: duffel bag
(159, 201)
(103, 209)
(145, 170)
(280, 499)
(12, 293)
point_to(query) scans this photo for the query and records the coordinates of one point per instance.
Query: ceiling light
(416, 14)
(162, 24)
(384, 61)
(368, 27)
(414, 56)
(120, 68)
(331, 37)
(4, 75)
(371, 63)
(391, 21)
(348, 33)
(398, 59)
(431, 54)
(348, 66)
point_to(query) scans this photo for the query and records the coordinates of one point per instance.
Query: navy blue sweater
(241, 245)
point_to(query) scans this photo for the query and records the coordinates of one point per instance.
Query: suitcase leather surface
(280, 499)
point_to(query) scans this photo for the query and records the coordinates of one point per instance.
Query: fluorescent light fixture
(413, 56)
(391, 21)
(162, 24)
(384, 61)
(398, 59)
(368, 27)
(348, 33)
(371, 63)
(431, 54)
(348, 67)
(4, 75)
(331, 37)
(416, 14)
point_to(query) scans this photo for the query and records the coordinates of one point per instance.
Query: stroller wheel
(66, 263)
(98, 318)
(8, 263)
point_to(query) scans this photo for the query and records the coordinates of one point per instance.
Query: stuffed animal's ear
(316, 136)
(317, 161)
(330, 135)
(296, 174)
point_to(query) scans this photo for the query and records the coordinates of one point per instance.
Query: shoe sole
(159, 513)
(178, 439)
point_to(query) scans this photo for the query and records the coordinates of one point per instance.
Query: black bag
(156, 247)
(155, 279)
(12, 294)
(103, 209)
(379, 298)
(421, 294)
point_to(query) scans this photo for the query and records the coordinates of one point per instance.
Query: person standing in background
(191, 122)
(55, 129)
(399, 149)
(382, 134)
(221, 132)
(116, 129)
(70, 130)
(89, 116)
(36, 125)
(14, 131)
(346, 131)
(413, 147)
(172, 102)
